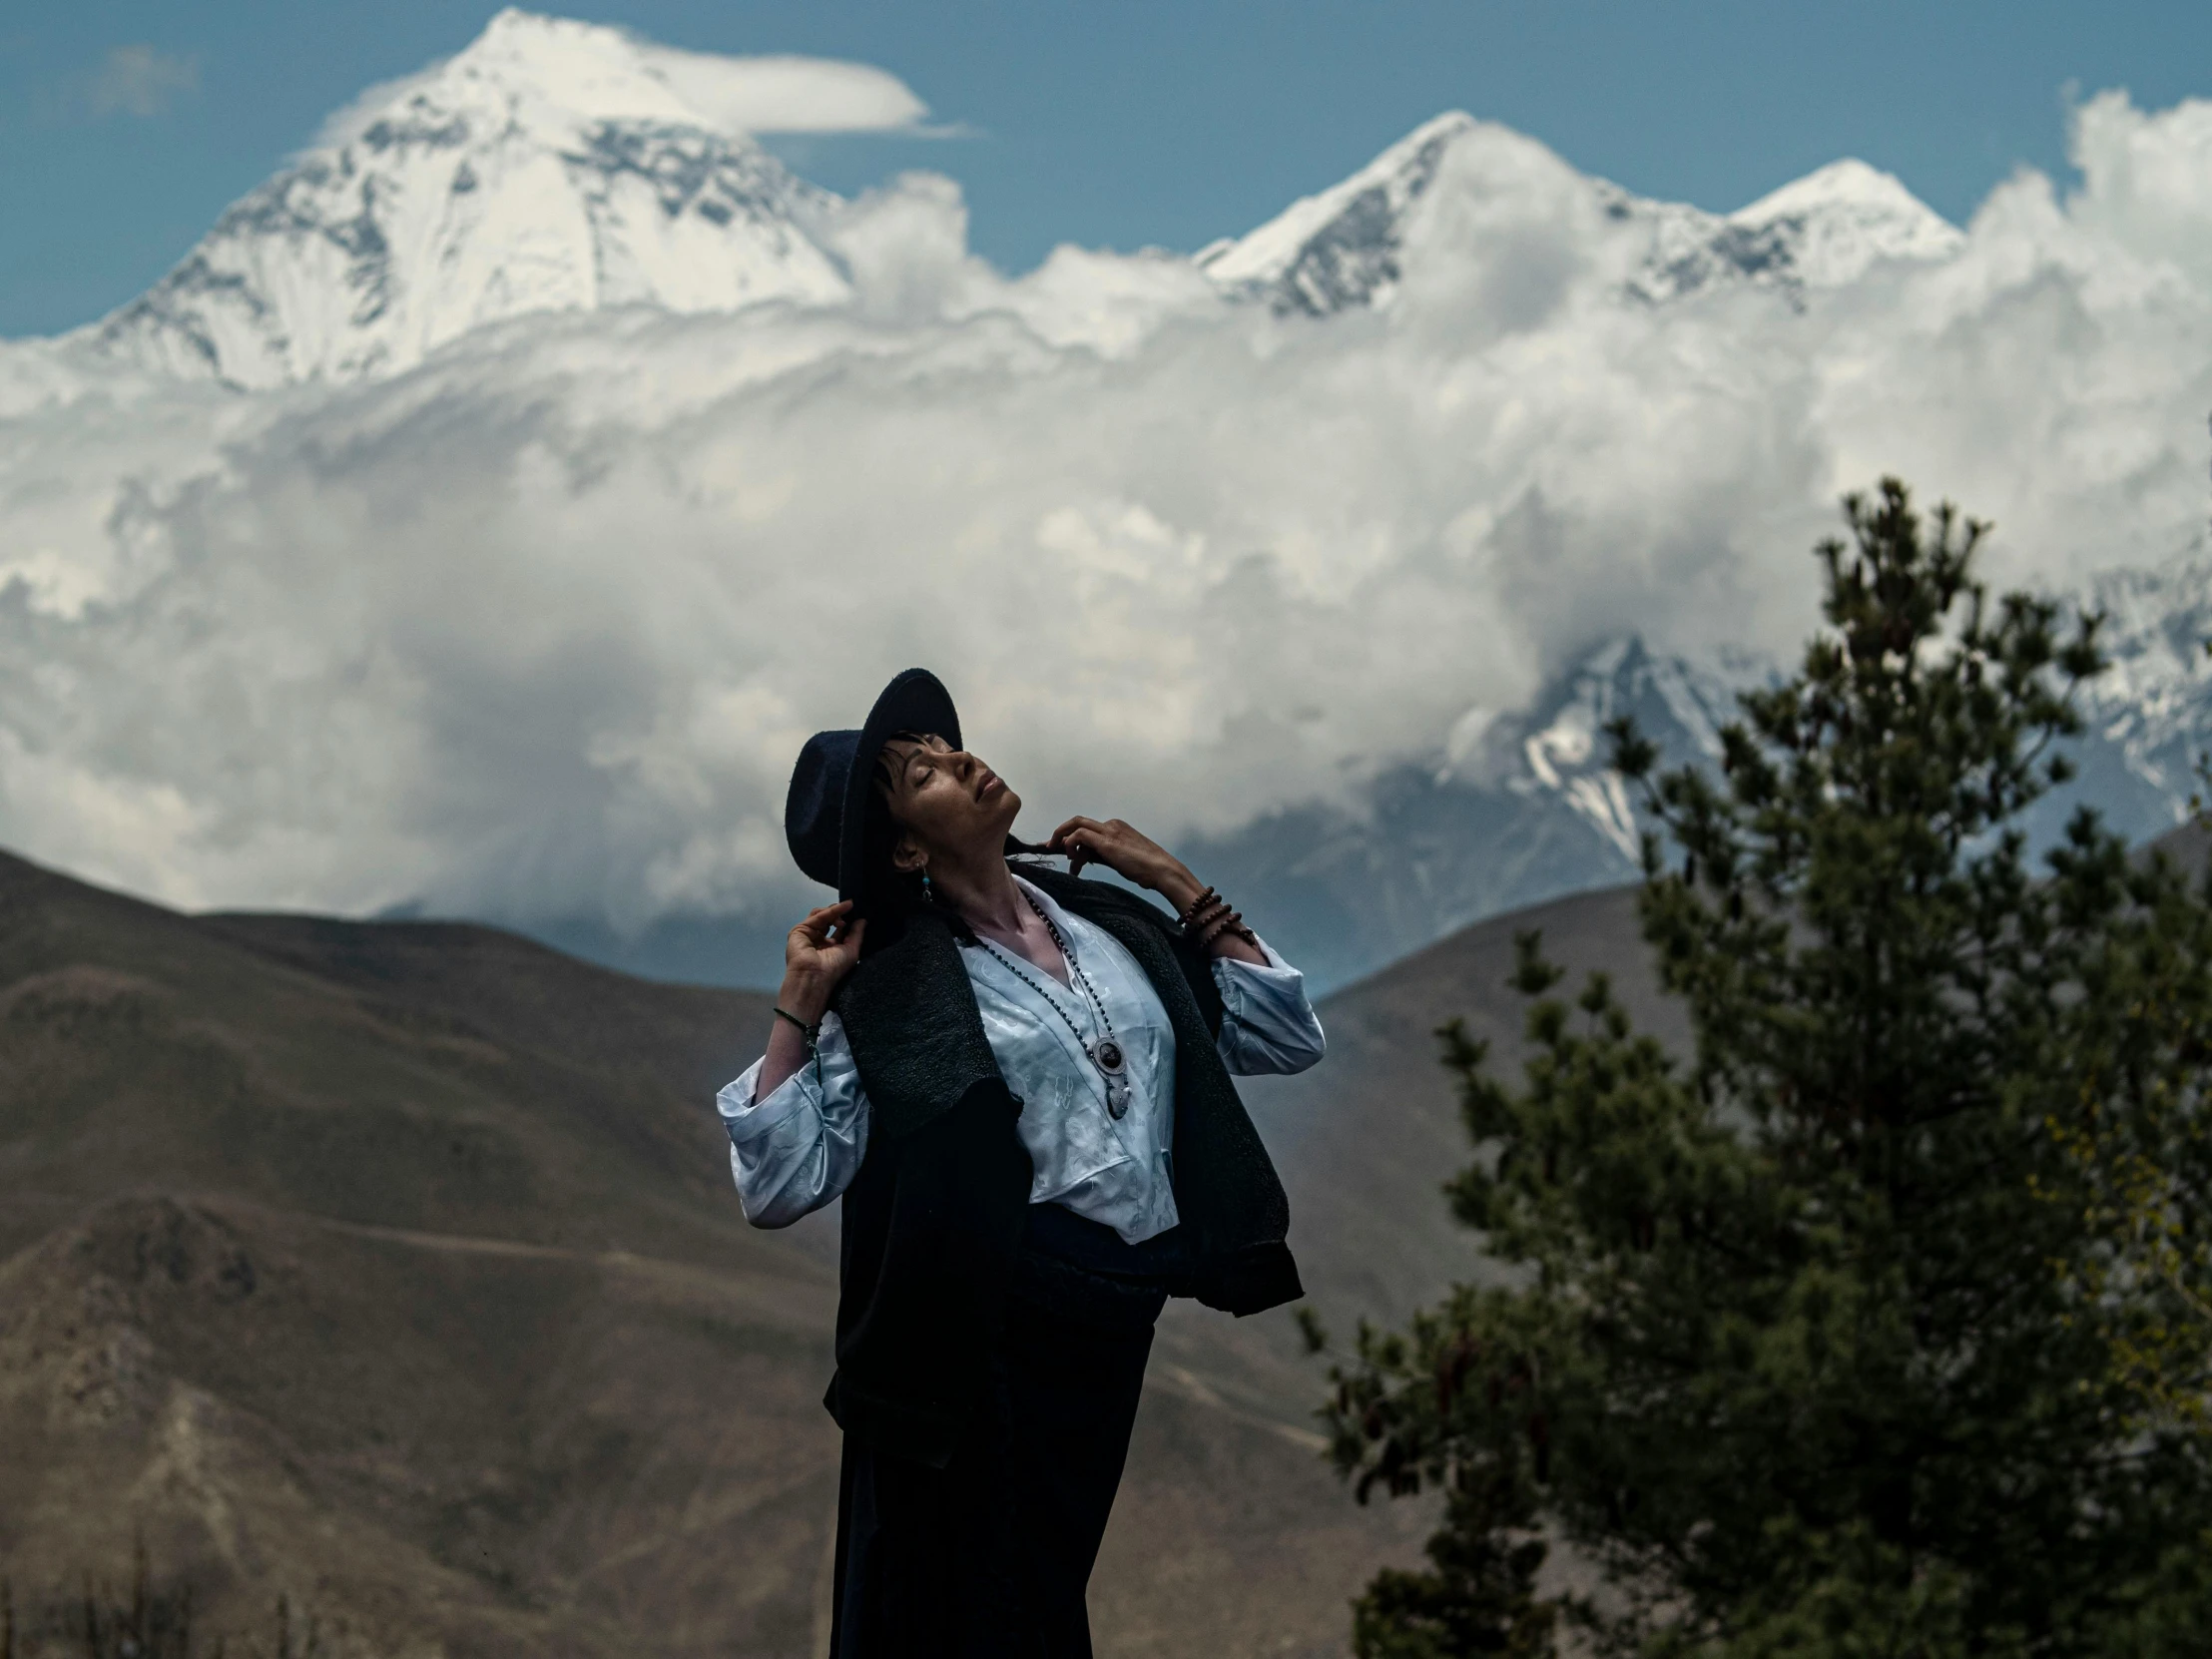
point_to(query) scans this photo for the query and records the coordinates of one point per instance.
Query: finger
(1063, 836)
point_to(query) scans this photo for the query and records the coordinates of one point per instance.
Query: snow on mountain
(559, 165)
(1524, 806)
(1347, 245)
(1825, 230)
(2149, 716)
(1340, 248)
(1560, 745)
(551, 166)
(2147, 720)
(1834, 224)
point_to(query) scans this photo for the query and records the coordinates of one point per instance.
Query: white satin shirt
(800, 1148)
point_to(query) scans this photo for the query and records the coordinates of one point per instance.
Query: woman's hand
(1137, 857)
(818, 953)
(1129, 854)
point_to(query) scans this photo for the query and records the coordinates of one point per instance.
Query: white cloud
(788, 94)
(595, 72)
(141, 80)
(540, 626)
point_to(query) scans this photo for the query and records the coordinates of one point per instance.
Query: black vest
(937, 1214)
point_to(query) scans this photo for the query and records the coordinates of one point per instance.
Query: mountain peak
(1845, 182)
(570, 70)
(550, 165)
(1838, 222)
(1345, 247)
(1339, 248)
(561, 76)
(558, 77)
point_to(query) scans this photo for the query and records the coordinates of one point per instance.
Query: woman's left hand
(1129, 854)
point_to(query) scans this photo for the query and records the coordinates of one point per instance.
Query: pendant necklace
(1105, 1054)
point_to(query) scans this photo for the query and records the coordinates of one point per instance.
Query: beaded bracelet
(1229, 922)
(1206, 897)
(1209, 917)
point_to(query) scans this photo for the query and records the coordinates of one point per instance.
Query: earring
(928, 888)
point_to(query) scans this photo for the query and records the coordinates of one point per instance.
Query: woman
(1018, 1082)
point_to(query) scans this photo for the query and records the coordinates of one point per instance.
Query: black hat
(825, 813)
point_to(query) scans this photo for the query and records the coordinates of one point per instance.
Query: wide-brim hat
(826, 811)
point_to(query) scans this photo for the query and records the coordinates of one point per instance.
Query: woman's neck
(996, 909)
(982, 892)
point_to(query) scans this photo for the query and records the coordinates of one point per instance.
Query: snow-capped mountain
(2149, 716)
(1519, 806)
(551, 166)
(1833, 226)
(1522, 805)
(559, 165)
(1347, 245)
(1343, 246)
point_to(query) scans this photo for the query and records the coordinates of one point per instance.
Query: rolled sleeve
(1267, 1024)
(800, 1148)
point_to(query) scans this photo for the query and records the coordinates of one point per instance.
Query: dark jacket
(936, 1215)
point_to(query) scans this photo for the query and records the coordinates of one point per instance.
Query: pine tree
(1809, 1339)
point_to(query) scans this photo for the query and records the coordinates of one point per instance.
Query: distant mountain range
(555, 165)
(554, 168)
(1521, 806)
(1345, 247)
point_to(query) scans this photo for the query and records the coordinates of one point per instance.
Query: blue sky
(125, 127)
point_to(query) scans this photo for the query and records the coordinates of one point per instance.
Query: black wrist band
(813, 1034)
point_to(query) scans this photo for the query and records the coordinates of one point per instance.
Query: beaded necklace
(1106, 1054)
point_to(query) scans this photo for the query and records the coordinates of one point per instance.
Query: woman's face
(947, 803)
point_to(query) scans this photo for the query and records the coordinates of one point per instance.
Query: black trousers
(988, 1557)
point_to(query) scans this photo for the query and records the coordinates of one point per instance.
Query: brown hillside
(1366, 1139)
(395, 1267)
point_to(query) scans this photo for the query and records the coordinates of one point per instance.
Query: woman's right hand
(818, 953)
